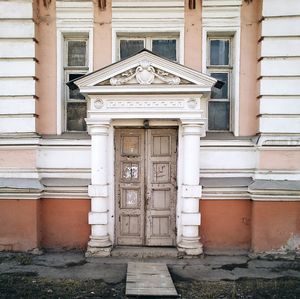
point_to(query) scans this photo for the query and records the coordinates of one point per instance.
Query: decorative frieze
(166, 103)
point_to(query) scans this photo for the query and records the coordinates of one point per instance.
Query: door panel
(146, 186)
(161, 187)
(130, 186)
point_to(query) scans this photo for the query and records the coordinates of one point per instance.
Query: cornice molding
(195, 81)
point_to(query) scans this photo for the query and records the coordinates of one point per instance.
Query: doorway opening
(146, 186)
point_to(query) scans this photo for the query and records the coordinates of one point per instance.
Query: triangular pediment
(141, 71)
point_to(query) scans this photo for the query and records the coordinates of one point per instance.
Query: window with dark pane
(219, 52)
(76, 53)
(76, 113)
(75, 94)
(223, 92)
(219, 66)
(75, 66)
(130, 47)
(162, 44)
(165, 48)
(218, 116)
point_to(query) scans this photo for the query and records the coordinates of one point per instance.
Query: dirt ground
(72, 276)
(30, 286)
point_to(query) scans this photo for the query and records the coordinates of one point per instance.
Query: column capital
(98, 126)
(192, 121)
(193, 127)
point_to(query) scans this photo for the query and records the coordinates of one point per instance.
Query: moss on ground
(28, 285)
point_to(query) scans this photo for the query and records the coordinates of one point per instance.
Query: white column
(99, 244)
(191, 190)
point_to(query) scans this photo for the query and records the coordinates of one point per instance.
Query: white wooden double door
(145, 179)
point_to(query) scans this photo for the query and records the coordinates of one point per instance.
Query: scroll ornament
(145, 74)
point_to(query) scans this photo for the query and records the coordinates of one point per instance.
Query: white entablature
(141, 89)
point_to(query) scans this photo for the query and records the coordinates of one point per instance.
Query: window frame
(228, 69)
(61, 34)
(67, 70)
(233, 32)
(148, 37)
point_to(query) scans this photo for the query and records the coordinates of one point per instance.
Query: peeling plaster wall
(19, 225)
(64, 223)
(274, 224)
(225, 224)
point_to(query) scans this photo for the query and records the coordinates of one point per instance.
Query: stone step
(144, 252)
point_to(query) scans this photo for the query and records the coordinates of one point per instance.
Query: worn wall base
(190, 248)
(98, 251)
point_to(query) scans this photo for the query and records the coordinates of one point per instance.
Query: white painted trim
(111, 182)
(148, 17)
(148, 3)
(20, 173)
(174, 69)
(221, 2)
(234, 33)
(232, 193)
(156, 31)
(59, 76)
(61, 34)
(275, 198)
(20, 195)
(111, 169)
(277, 175)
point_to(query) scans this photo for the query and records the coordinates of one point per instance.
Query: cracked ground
(71, 275)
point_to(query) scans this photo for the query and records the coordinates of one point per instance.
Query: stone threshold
(144, 252)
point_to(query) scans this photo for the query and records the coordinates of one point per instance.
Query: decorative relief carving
(145, 104)
(98, 104)
(145, 74)
(192, 103)
(125, 77)
(161, 172)
(166, 77)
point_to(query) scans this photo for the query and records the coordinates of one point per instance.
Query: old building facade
(150, 123)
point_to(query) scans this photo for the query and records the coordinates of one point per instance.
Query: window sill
(68, 135)
(224, 139)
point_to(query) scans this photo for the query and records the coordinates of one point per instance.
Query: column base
(99, 247)
(190, 246)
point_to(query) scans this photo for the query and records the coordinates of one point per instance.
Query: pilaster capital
(193, 127)
(98, 126)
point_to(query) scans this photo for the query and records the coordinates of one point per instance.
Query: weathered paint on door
(145, 186)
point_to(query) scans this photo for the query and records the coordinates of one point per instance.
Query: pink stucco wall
(102, 36)
(46, 67)
(250, 14)
(193, 36)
